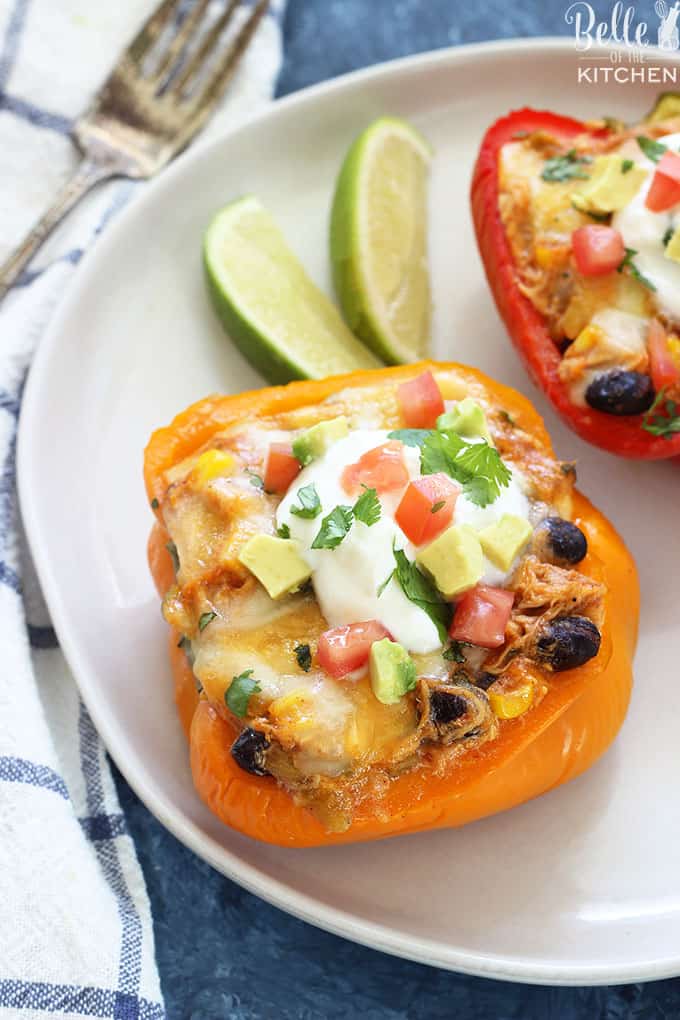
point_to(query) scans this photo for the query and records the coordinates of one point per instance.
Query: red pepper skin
(527, 328)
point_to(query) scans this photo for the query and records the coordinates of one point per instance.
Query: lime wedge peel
(378, 240)
(283, 324)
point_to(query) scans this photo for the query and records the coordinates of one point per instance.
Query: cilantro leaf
(419, 590)
(476, 466)
(206, 618)
(454, 653)
(367, 508)
(665, 240)
(174, 555)
(334, 527)
(303, 654)
(486, 473)
(627, 260)
(336, 524)
(626, 165)
(381, 587)
(283, 531)
(185, 644)
(410, 437)
(256, 481)
(439, 452)
(310, 504)
(239, 692)
(566, 167)
(436, 507)
(662, 419)
(653, 150)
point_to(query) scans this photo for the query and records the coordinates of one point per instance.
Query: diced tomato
(669, 165)
(597, 249)
(426, 507)
(663, 368)
(383, 468)
(482, 615)
(344, 649)
(421, 402)
(281, 468)
(664, 191)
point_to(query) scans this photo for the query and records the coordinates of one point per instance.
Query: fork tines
(182, 50)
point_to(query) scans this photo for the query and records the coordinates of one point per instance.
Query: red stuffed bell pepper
(578, 225)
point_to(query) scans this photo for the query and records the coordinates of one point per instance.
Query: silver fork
(141, 118)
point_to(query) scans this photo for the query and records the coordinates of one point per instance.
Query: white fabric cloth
(75, 928)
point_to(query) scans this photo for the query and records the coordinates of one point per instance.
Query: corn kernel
(212, 464)
(451, 388)
(588, 338)
(546, 257)
(674, 349)
(508, 703)
(516, 690)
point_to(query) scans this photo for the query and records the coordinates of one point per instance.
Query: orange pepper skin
(556, 740)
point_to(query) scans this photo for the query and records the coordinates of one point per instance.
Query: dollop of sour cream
(347, 579)
(643, 231)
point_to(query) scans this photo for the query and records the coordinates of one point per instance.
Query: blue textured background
(223, 953)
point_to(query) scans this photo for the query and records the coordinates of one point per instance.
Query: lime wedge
(379, 240)
(268, 305)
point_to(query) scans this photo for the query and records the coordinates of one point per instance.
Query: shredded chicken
(544, 592)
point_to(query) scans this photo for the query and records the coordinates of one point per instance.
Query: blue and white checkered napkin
(75, 928)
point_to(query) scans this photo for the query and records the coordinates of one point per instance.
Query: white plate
(580, 886)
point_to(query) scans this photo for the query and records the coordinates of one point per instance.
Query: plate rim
(275, 891)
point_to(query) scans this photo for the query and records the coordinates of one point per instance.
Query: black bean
(446, 707)
(560, 542)
(567, 642)
(484, 680)
(248, 751)
(621, 392)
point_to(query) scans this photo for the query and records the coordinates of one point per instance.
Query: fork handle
(87, 174)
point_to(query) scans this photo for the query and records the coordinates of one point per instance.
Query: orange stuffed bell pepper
(389, 609)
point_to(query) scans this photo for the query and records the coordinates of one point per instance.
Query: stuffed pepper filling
(594, 229)
(375, 584)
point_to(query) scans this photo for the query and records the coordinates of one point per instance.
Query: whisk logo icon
(668, 34)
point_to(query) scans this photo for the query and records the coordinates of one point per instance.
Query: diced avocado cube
(610, 185)
(454, 561)
(467, 419)
(673, 247)
(505, 539)
(314, 441)
(392, 671)
(276, 563)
